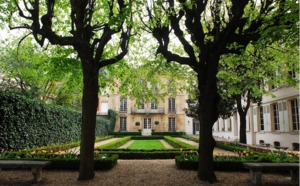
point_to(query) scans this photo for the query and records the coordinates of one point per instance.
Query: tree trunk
(242, 113)
(243, 138)
(208, 113)
(89, 109)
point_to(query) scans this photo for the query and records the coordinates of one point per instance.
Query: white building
(274, 123)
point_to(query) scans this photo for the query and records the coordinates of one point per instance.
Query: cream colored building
(161, 116)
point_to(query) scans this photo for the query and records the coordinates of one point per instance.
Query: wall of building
(286, 135)
(133, 114)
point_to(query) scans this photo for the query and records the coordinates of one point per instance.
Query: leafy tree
(45, 75)
(246, 78)
(98, 31)
(206, 30)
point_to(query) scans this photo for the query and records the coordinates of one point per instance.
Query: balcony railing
(147, 110)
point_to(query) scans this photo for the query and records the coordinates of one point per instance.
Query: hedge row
(173, 134)
(178, 144)
(73, 164)
(114, 144)
(27, 123)
(234, 165)
(166, 154)
(121, 134)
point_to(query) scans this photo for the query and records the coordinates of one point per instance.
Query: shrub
(121, 134)
(115, 144)
(178, 144)
(177, 134)
(143, 154)
(27, 123)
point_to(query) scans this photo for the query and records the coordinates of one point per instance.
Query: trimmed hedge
(114, 144)
(121, 134)
(27, 123)
(145, 154)
(66, 161)
(146, 137)
(234, 165)
(178, 144)
(173, 134)
(73, 164)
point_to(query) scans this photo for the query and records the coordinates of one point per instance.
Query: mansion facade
(139, 115)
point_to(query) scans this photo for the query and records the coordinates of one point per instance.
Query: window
(141, 104)
(103, 107)
(153, 105)
(276, 144)
(123, 123)
(261, 118)
(172, 105)
(172, 124)
(295, 114)
(229, 128)
(261, 142)
(147, 123)
(276, 117)
(295, 146)
(123, 104)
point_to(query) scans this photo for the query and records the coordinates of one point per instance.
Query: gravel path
(137, 173)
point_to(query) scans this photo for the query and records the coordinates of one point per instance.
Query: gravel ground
(138, 173)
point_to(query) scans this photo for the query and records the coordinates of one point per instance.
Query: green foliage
(178, 144)
(112, 114)
(26, 123)
(220, 163)
(63, 161)
(174, 134)
(114, 144)
(51, 76)
(121, 134)
(191, 138)
(152, 137)
(143, 154)
(101, 162)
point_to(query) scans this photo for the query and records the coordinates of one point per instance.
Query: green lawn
(147, 145)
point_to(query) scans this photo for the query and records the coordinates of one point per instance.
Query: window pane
(276, 117)
(172, 124)
(123, 123)
(171, 104)
(261, 117)
(295, 114)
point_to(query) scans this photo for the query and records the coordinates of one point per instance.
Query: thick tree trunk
(242, 113)
(89, 109)
(243, 136)
(208, 113)
(206, 147)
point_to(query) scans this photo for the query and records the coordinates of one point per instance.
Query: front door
(147, 123)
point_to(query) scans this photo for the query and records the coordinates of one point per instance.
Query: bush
(100, 163)
(27, 123)
(146, 137)
(64, 161)
(114, 144)
(174, 134)
(121, 134)
(143, 154)
(178, 144)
